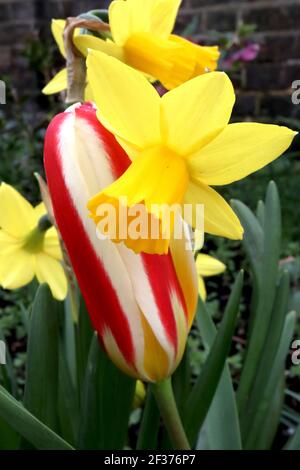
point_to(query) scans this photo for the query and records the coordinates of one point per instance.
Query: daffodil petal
(50, 271)
(16, 214)
(119, 20)
(127, 18)
(51, 246)
(202, 288)
(57, 28)
(219, 218)
(208, 266)
(240, 149)
(164, 16)
(8, 243)
(84, 42)
(127, 104)
(16, 269)
(57, 84)
(197, 111)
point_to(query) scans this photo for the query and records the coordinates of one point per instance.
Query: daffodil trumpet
(180, 145)
(29, 245)
(142, 306)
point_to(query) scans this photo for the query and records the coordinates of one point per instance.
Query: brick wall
(265, 86)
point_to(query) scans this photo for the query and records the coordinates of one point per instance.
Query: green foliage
(230, 395)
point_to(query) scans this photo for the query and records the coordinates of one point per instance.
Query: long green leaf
(28, 426)
(203, 391)
(84, 335)
(148, 433)
(42, 358)
(223, 410)
(106, 403)
(267, 277)
(271, 346)
(275, 375)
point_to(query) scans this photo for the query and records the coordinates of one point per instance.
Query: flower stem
(164, 395)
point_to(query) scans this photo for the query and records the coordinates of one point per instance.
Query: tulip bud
(142, 306)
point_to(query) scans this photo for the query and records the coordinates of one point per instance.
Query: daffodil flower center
(34, 240)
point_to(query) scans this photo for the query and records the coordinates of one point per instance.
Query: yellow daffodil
(26, 248)
(207, 266)
(139, 395)
(141, 37)
(180, 145)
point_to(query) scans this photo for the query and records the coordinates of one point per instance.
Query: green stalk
(164, 395)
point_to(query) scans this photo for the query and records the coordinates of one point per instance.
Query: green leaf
(28, 426)
(106, 403)
(265, 287)
(274, 378)
(223, 409)
(253, 236)
(7, 373)
(203, 391)
(68, 334)
(42, 358)
(181, 380)
(294, 441)
(266, 363)
(148, 433)
(68, 401)
(272, 417)
(84, 335)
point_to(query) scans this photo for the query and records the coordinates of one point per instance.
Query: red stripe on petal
(100, 297)
(159, 268)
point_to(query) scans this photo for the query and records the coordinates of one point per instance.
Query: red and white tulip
(142, 306)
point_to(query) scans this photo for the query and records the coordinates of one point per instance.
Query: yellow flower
(141, 32)
(139, 395)
(207, 266)
(179, 144)
(25, 249)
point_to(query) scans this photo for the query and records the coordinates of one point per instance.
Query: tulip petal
(16, 214)
(219, 218)
(240, 149)
(128, 105)
(184, 265)
(57, 28)
(164, 16)
(208, 266)
(122, 290)
(57, 84)
(84, 42)
(16, 269)
(191, 117)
